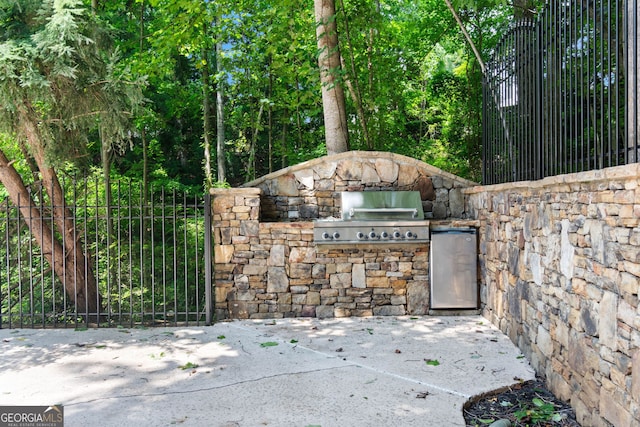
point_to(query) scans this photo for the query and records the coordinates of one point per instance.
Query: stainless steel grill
(375, 217)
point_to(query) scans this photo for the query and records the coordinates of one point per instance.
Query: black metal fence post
(208, 262)
(632, 62)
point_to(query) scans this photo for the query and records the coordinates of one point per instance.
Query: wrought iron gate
(150, 257)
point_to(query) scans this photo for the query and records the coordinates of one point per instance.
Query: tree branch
(467, 36)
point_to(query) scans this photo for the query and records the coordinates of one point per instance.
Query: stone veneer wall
(267, 265)
(560, 274)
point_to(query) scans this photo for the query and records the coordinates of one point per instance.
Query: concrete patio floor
(377, 371)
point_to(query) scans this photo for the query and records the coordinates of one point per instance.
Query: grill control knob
(384, 235)
(372, 235)
(326, 236)
(396, 234)
(360, 235)
(336, 235)
(410, 235)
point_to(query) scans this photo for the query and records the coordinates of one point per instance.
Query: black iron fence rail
(561, 93)
(151, 258)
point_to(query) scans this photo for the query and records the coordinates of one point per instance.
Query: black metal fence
(149, 258)
(561, 93)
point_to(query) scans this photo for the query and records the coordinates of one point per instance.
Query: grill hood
(381, 205)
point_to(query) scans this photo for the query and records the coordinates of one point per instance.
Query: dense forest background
(173, 79)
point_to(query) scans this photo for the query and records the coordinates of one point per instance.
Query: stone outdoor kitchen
(558, 263)
(267, 264)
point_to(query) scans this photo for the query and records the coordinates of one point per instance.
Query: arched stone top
(310, 190)
(358, 164)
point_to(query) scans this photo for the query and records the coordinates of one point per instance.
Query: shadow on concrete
(352, 371)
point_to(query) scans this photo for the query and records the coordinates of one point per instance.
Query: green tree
(60, 80)
(272, 107)
(188, 34)
(260, 59)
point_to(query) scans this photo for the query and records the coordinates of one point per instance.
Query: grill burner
(375, 217)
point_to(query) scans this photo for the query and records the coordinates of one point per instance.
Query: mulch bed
(527, 404)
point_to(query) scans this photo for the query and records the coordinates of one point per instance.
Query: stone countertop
(472, 223)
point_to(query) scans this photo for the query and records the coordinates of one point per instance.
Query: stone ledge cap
(625, 172)
(235, 191)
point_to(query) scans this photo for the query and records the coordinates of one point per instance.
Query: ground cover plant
(527, 404)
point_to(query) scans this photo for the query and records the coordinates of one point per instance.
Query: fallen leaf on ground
(188, 365)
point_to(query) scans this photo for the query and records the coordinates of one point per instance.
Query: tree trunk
(300, 141)
(30, 162)
(107, 158)
(222, 173)
(253, 142)
(206, 117)
(283, 144)
(70, 270)
(80, 282)
(333, 102)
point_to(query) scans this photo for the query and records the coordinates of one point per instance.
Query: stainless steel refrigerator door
(454, 270)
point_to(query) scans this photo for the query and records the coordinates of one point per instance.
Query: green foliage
(220, 184)
(60, 70)
(539, 411)
(188, 365)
